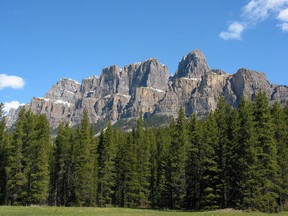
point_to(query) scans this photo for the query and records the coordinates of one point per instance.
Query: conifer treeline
(236, 158)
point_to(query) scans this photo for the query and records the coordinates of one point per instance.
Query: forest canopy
(234, 158)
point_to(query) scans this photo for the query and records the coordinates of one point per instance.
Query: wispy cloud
(284, 27)
(10, 105)
(258, 11)
(235, 30)
(283, 15)
(8, 81)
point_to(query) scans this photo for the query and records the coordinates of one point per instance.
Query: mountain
(122, 93)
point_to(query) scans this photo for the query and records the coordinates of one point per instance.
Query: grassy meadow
(70, 211)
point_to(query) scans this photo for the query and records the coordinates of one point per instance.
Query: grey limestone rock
(146, 87)
(193, 65)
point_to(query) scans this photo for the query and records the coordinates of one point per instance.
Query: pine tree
(142, 164)
(247, 184)
(83, 165)
(194, 166)
(101, 162)
(62, 166)
(4, 144)
(126, 173)
(222, 113)
(162, 193)
(40, 148)
(280, 126)
(16, 179)
(232, 151)
(267, 155)
(106, 166)
(29, 139)
(120, 173)
(153, 167)
(211, 180)
(176, 161)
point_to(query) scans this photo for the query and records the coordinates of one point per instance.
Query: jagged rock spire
(193, 65)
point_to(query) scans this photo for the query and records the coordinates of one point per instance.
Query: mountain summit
(122, 93)
(193, 65)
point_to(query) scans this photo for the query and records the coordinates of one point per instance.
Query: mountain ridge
(147, 87)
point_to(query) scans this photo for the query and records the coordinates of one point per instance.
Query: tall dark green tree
(211, 180)
(150, 134)
(222, 114)
(4, 144)
(127, 183)
(16, 180)
(267, 155)
(246, 175)
(176, 161)
(83, 165)
(162, 193)
(142, 148)
(62, 171)
(28, 147)
(194, 165)
(232, 166)
(106, 166)
(280, 126)
(39, 150)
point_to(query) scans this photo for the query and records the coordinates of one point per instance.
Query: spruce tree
(4, 145)
(120, 176)
(16, 180)
(280, 126)
(163, 171)
(29, 139)
(126, 173)
(153, 167)
(62, 166)
(232, 151)
(267, 155)
(176, 161)
(247, 177)
(194, 166)
(222, 113)
(106, 166)
(40, 148)
(142, 164)
(83, 165)
(211, 180)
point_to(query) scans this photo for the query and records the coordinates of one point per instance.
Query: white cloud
(8, 81)
(257, 11)
(284, 27)
(283, 15)
(235, 31)
(11, 104)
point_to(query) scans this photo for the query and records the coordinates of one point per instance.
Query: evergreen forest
(234, 158)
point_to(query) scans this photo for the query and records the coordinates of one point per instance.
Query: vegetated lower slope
(235, 158)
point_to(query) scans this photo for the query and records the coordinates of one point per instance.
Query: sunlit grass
(65, 211)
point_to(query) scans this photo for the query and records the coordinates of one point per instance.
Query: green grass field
(68, 211)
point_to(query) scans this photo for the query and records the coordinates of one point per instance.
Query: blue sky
(42, 41)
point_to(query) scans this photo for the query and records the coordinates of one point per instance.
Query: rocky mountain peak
(155, 74)
(247, 82)
(193, 65)
(64, 89)
(144, 87)
(150, 73)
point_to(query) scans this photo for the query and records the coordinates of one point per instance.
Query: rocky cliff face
(193, 65)
(146, 87)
